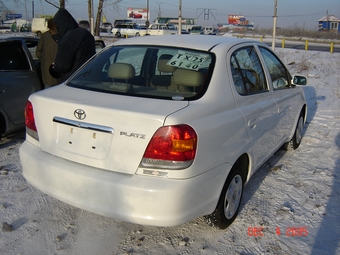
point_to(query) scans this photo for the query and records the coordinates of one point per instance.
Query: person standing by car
(46, 51)
(75, 45)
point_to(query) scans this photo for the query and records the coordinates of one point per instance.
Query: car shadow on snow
(311, 100)
(12, 138)
(330, 224)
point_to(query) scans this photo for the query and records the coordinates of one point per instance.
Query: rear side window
(13, 57)
(247, 71)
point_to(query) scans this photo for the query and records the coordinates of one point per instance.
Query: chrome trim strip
(84, 125)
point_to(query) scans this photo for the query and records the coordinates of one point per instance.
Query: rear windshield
(147, 71)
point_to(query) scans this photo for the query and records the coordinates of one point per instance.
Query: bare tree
(61, 3)
(113, 3)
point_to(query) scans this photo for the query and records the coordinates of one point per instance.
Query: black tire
(2, 126)
(295, 142)
(137, 34)
(230, 199)
(118, 35)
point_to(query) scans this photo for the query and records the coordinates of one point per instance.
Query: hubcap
(233, 196)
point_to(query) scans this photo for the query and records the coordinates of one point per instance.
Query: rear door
(18, 79)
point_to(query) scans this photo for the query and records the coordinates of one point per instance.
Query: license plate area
(82, 138)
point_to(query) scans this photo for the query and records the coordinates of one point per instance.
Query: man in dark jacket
(75, 45)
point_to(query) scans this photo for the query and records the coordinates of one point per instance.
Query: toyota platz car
(162, 130)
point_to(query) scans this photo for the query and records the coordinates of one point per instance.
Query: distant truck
(39, 26)
(161, 29)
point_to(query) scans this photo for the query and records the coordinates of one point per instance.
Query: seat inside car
(164, 78)
(121, 73)
(187, 80)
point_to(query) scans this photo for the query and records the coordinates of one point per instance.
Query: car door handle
(252, 123)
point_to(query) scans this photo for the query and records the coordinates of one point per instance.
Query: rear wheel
(2, 126)
(230, 199)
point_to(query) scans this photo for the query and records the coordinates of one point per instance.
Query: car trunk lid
(98, 129)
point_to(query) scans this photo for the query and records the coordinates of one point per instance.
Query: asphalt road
(301, 45)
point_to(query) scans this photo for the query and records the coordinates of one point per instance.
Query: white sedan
(162, 130)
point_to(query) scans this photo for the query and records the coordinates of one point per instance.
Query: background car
(162, 131)
(20, 76)
(129, 29)
(196, 30)
(106, 27)
(85, 24)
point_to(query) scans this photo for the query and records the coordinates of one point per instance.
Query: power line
(286, 16)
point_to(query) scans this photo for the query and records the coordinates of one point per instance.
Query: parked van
(39, 26)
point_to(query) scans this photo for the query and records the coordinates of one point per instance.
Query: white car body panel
(80, 145)
(140, 199)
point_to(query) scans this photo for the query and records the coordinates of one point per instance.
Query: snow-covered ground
(293, 199)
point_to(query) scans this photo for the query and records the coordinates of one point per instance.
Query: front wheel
(137, 34)
(294, 143)
(296, 140)
(230, 199)
(118, 35)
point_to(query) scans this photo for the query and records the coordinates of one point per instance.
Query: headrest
(121, 71)
(189, 78)
(163, 67)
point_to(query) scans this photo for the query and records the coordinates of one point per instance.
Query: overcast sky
(209, 12)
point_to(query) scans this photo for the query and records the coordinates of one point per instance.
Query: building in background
(329, 23)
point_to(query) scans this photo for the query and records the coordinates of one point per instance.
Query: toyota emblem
(80, 114)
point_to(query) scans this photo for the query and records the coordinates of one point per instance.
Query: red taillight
(29, 117)
(173, 143)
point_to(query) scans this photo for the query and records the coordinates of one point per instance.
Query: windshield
(147, 71)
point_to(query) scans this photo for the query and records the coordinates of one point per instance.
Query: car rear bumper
(133, 198)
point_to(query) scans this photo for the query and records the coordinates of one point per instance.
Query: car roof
(7, 37)
(205, 42)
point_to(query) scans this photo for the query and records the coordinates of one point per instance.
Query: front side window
(278, 73)
(148, 71)
(247, 71)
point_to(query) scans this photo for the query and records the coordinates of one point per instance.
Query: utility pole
(159, 14)
(206, 13)
(180, 17)
(274, 25)
(92, 18)
(147, 23)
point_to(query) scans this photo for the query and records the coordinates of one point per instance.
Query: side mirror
(299, 80)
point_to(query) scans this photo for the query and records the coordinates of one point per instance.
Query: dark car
(85, 24)
(20, 76)
(106, 27)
